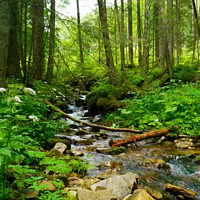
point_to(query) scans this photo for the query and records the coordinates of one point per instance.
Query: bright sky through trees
(86, 6)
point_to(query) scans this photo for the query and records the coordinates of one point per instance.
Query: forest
(100, 106)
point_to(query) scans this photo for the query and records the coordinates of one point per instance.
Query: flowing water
(183, 171)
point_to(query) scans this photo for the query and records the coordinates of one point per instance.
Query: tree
(139, 34)
(106, 40)
(146, 43)
(4, 38)
(49, 75)
(38, 44)
(130, 31)
(13, 60)
(79, 32)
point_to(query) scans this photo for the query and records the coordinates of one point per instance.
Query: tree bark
(156, 29)
(177, 33)
(13, 60)
(130, 31)
(38, 44)
(4, 38)
(49, 75)
(107, 45)
(146, 43)
(79, 32)
(196, 17)
(139, 35)
(134, 139)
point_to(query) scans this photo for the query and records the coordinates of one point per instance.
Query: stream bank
(155, 164)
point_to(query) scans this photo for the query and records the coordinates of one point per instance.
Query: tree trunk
(13, 61)
(107, 45)
(139, 35)
(196, 17)
(156, 29)
(146, 43)
(177, 33)
(50, 67)
(4, 38)
(130, 31)
(38, 44)
(79, 32)
(161, 33)
(170, 27)
(25, 39)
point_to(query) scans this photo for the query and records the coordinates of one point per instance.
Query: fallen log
(134, 139)
(95, 126)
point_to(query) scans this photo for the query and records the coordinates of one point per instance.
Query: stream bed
(147, 160)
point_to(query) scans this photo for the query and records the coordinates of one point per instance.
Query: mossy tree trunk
(4, 38)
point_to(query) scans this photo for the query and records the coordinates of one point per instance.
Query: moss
(108, 104)
(62, 105)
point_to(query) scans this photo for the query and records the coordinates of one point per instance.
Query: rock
(197, 159)
(72, 195)
(53, 141)
(190, 194)
(76, 182)
(154, 193)
(80, 102)
(54, 152)
(121, 185)
(167, 144)
(60, 147)
(184, 143)
(25, 194)
(111, 150)
(88, 141)
(49, 186)
(90, 182)
(117, 166)
(162, 139)
(76, 152)
(82, 132)
(62, 105)
(102, 134)
(139, 195)
(164, 167)
(97, 118)
(84, 194)
(123, 156)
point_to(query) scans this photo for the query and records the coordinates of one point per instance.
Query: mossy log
(134, 139)
(95, 126)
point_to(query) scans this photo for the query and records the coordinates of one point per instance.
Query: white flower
(34, 118)
(45, 82)
(179, 80)
(63, 99)
(2, 89)
(60, 93)
(29, 90)
(17, 99)
(54, 89)
(57, 96)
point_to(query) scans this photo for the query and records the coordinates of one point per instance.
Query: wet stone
(76, 152)
(111, 150)
(60, 147)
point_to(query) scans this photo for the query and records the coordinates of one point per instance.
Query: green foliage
(168, 106)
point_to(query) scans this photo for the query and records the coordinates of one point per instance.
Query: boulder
(121, 185)
(54, 152)
(184, 143)
(84, 194)
(60, 147)
(25, 194)
(88, 141)
(48, 186)
(76, 152)
(117, 166)
(72, 195)
(90, 182)
(75, 182)
(139, 195)
(154, 193)
(190, 194)
(53, 141)
(82, 132)
(111, 150)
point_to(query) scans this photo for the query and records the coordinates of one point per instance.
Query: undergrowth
(175, 104)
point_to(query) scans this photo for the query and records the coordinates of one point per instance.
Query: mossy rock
(54, 152)
(53, 141)
(197, 159)
(62, 105)
(111, 150)
(108, 104)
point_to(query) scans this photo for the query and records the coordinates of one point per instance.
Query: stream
(179, 168)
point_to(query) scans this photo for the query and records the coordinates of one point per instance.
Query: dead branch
(95, 126)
